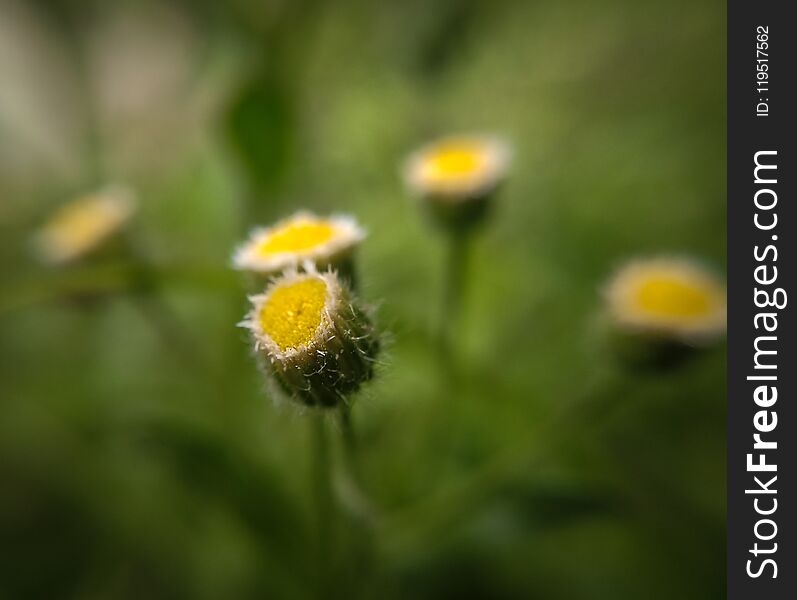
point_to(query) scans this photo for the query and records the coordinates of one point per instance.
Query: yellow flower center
(454, 161)
(296, 237)
(668, 296)
(80, 224)
(293, 313)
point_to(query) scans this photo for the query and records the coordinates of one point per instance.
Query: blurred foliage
(540, 467)
(260, 126)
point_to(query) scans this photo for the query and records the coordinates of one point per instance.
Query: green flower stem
(354, 497)
(323, 500)
(360, 511)
(91, 282)
(455, 279)
(349, 439)
(109, 279)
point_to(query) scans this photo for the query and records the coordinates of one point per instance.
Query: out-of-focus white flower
(299, 238)
(83, 225)
(669, 298)
(458, 168)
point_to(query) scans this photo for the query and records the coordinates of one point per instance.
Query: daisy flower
(669, 298)
(456, 175)
(84, 225)
(297, 239)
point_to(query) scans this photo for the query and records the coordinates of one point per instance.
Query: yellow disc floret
(459, 169)
(454, 160)
(672, 297)
(82, 225)
(297, 236)
(668, 296)
(293, 312)
(313, 337)
(302, 237)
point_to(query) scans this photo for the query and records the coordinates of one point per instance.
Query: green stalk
(353, 496)
(455, 280)
(360, 514)
(349, 439)
(322, 492)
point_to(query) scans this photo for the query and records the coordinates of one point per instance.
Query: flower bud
(659, 308)
(84, 225)
(455, 177)
(318, 342)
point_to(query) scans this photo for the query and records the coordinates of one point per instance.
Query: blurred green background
(140, 453)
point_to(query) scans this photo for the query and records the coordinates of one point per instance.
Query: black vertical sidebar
(761, 39)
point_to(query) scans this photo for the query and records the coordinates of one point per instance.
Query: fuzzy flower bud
(318, 342)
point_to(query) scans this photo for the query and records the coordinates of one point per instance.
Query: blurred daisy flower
(667, 298)
(456, 175)
(318, 342)
(299, 238)
(84, 225)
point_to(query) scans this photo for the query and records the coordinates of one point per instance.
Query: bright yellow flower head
(293, 312)
(457, 168)
(668, 297)
(83, 225)
(319, 343)
(302, 237)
